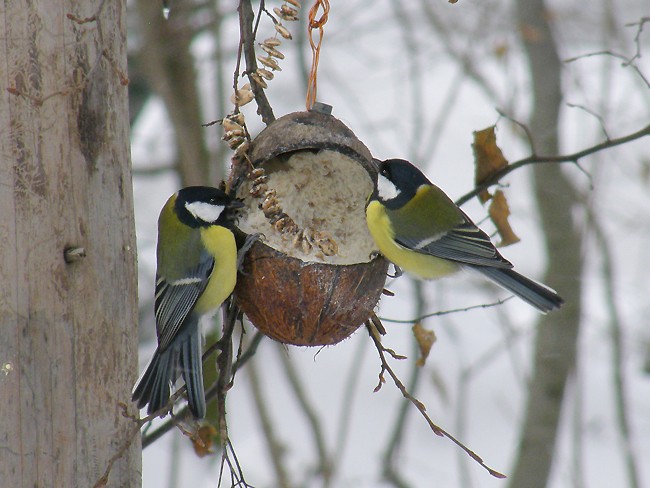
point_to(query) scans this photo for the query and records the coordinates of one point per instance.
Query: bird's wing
(176, 298)
(464, 243)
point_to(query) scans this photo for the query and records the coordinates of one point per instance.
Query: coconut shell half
(288, 288)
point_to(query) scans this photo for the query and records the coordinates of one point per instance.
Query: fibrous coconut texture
(324, 192)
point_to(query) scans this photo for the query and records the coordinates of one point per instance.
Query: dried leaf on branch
(425, 339)
(488, 158)
(499, 213)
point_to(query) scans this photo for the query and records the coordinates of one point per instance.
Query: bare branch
(273, 444)
(324, 459)
(627, 61)
(247, 37)
(391, 463)
(637, 36)
(385, 368)
(446, 312)
(599, 118)
(567, 158)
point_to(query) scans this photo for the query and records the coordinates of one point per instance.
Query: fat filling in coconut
(324, 193)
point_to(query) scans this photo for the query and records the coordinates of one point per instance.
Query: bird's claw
(398, 272)
(248, 243)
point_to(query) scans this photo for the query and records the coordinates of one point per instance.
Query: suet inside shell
(323, 192)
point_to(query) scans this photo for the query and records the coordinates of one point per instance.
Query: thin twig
(567, 158)
(324, 458)
(626, 62)
(391, 464)
(250, 351)
(385, 368)
(446, 312)
(522, 126)
(103, 479)
(599, 118)
(246, 17)
(275, 447)
(347, 405)
(212, 392)
(637, 37)
(229, 457)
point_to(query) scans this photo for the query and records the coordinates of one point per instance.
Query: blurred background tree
(551, 401)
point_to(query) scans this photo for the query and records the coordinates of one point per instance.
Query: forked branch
(385, 368)
(566, 158)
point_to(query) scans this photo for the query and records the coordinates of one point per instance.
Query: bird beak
(236, 203)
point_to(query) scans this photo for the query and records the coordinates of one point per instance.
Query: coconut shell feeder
(315, 276)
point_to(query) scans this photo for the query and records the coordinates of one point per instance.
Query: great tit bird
(197, 271)
(420, 229)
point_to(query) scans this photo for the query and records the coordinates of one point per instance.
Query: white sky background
(365, 73)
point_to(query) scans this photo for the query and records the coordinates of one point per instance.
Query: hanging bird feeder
(315, 276)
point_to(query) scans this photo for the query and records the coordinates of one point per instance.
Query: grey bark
(68, 353)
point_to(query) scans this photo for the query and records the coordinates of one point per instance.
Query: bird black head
(397, 182)
(199, 206)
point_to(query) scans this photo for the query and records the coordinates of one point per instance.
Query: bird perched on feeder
(196, 271)
(421, 230)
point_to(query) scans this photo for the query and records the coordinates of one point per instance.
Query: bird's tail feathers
(190, 362)
(536, 294)
(154, 385)
(182, 357)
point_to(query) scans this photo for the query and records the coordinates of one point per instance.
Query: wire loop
(314, 24)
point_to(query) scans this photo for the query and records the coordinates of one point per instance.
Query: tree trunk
(68, 354)
(556, 341)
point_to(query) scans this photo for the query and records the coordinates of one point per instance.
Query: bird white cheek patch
(386, 189)
(205, 211)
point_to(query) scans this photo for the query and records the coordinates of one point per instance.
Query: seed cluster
(235, 133)
(288, 11)
(308, 240)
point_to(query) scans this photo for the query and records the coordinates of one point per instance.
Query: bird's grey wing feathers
(465, 244)
(175, 300)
